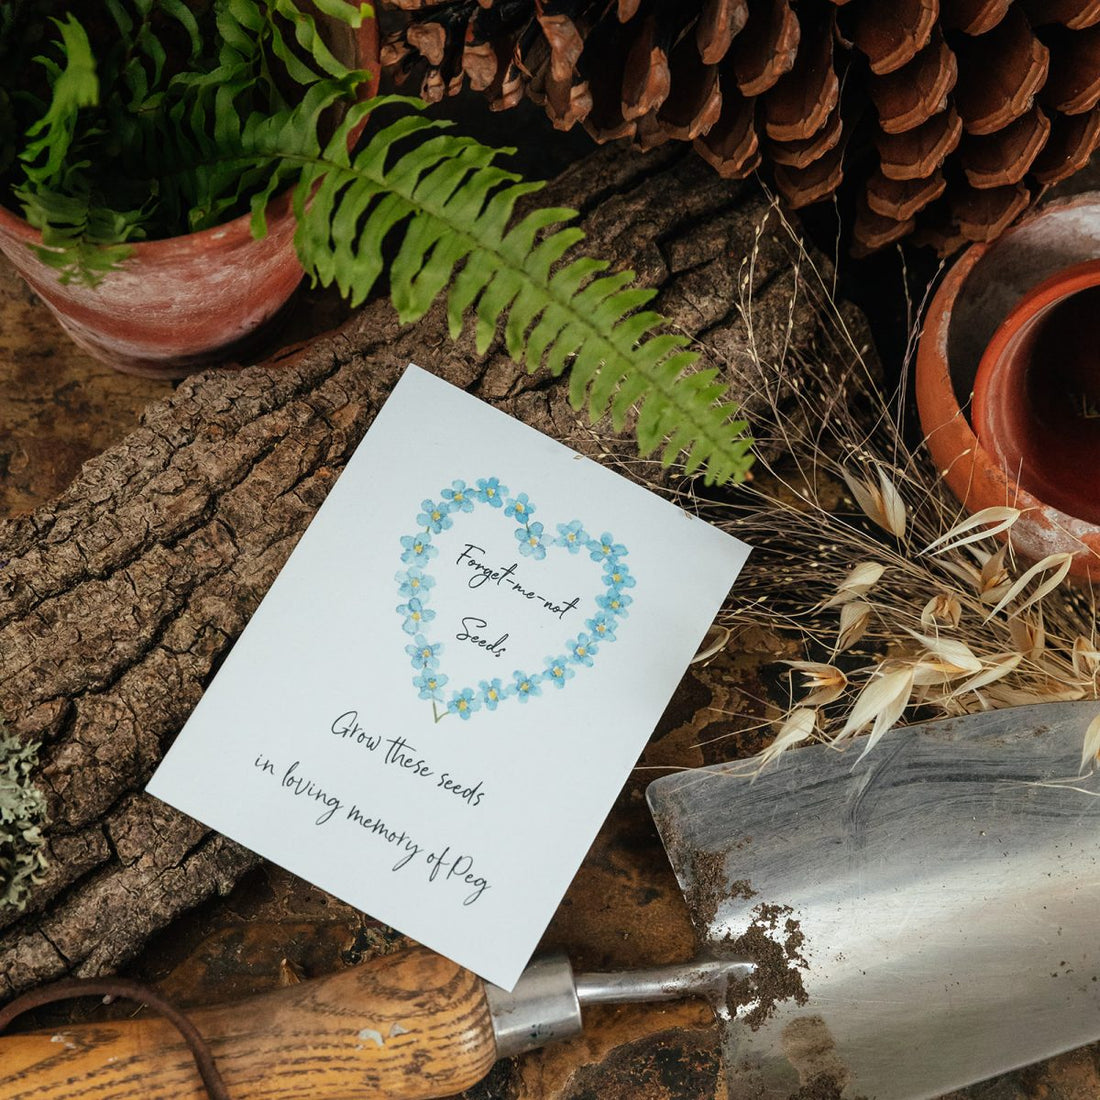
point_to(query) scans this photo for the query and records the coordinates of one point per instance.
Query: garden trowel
(922, 917)
(874, 928)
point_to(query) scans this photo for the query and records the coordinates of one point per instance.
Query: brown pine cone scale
(946, 118)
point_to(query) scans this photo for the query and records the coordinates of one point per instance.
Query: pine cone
(946, 118)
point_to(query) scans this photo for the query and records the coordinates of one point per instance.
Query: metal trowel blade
(932, 911)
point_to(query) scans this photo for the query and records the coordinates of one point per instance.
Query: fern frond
(78, 239)
(451, 209)
(74, 85)
(309, 38)
(351, 12)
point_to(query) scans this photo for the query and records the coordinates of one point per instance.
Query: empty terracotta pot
(185, 302)
(1037, 392)
(986, 285)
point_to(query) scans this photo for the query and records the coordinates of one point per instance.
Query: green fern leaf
(74, 86)
(352, 13)
(547, 253)
(309, 38)
(569, 342)
(454, 230)
(542, 337)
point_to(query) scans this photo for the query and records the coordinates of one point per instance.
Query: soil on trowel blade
(710, 887)
(810, 1048)
(773, 941)
(822, 1087)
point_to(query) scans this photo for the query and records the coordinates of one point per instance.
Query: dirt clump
(708, 870)
(773, 941)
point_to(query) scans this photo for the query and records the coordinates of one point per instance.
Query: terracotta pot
(1037, 392)
(184, 302)
(985, 285)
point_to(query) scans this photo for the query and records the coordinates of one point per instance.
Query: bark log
(120, 599)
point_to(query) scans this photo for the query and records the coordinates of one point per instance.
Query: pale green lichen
(22, 815)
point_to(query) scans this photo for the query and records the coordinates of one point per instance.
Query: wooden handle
(402, 1027)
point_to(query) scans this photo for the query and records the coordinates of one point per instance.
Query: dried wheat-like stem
(910, 607)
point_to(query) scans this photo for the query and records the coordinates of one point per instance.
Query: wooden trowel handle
(402, 1027)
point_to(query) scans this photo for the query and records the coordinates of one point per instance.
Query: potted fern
(202, 116)
(129, 162)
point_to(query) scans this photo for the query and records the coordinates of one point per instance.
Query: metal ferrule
(546, 1002)
(542, 1007)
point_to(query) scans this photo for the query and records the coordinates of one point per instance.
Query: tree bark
(120, 599)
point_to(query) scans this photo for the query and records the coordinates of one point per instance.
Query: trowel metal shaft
(547, 1001)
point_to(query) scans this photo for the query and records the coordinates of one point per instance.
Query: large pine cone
(948, 117)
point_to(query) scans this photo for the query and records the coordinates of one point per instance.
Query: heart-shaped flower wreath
(415, 585)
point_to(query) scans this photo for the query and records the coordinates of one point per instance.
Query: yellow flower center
(425, 652)
(519, 507)
(462, 704)
(581, 651)
(492, 693)
(415, 616)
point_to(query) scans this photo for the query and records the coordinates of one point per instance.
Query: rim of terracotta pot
(365, 40)
(972, 473)
(1008, 413)
(166, 249)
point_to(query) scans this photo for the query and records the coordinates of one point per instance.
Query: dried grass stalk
(1090, 751)
(860, 543)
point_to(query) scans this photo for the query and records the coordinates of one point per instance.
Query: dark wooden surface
(58, 408)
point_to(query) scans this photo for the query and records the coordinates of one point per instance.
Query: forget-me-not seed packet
(434, 707)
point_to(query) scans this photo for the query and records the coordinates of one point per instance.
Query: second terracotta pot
(1037, 392)
(986, 285)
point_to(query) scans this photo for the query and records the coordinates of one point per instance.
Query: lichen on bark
(22, 817)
